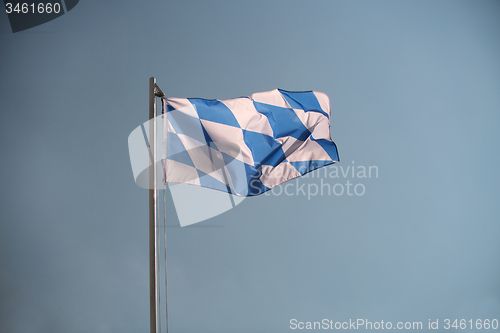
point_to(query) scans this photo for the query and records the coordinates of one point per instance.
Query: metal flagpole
(152, 211)
(154, 91)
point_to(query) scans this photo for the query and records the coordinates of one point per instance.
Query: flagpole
(152, 212)
(154, 91)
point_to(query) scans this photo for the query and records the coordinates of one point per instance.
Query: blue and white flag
(248, 145)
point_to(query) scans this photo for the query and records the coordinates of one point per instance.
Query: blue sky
(413, 89)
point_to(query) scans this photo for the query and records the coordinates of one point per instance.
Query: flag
(248, 145)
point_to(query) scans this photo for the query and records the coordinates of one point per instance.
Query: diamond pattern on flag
(247, 145)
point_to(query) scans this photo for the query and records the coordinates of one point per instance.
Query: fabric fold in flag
(247, 145)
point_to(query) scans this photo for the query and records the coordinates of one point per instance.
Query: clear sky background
(414, 89)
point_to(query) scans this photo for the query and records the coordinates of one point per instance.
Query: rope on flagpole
(165, 233)
(165, 134)
(158, 92)
(157, 215)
